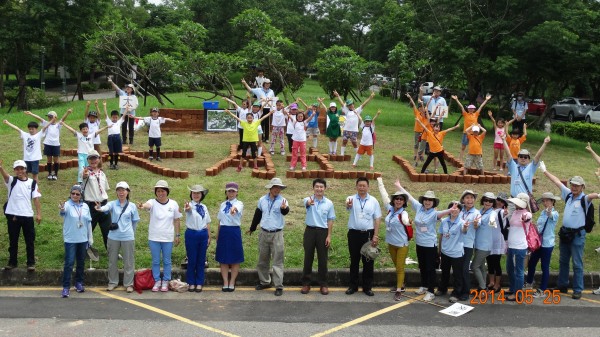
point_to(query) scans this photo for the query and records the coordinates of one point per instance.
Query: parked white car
(427, 88)
(593, 116)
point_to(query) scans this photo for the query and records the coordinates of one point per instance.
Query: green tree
(339, 68)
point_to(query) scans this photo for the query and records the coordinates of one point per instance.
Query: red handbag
(143, 280)
(532, 236)
(408, 228)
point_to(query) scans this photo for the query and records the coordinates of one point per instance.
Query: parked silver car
(572, 108)
(593, 116)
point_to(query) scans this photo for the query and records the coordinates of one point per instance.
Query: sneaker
(261, 286)
(120, 257)
(239, 168)
(31, 268)
(576, 296)
(453, 299)
(596, 292)
(156, 287)
(158, 159)
(79, 287)
(9, 267)
(112, 166)
(129, 289)
(292, 168)
(398, 296)
(164, 287)
(393, 290)
(429, 297)
(402, 290)
(421, 291)
(150, 158)
(272, 152)
(353, 166)
(528, 286)
(304, 169)
(49, 177)
(116, 167)
(65, 293)
(111, 287)
(55, 177)
(282, 153)
(538, 293)
(371, 168)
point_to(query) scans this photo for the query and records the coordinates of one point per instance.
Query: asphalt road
(246, 312)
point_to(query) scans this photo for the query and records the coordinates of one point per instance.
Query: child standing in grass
(51, 140)
(436, 147)
(499, 130)
(334, 130)
(114, 138)
(515, 140)
(367, 140)
(312, 127)
(85, 144)
(299, 140)
(420, 115)
(91, 119)
(32, 150)
(475, 135)
(471, 117)
(241, 112)
(154, 133)
(250, 126)
(278, 123)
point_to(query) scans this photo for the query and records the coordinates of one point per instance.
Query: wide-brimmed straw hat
(429, 195)
(466, 192)
(521, 201)
(275, 182)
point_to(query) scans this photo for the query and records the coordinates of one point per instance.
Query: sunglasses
(73, 193)
(426, 199)
(523, 156)
(488, 200)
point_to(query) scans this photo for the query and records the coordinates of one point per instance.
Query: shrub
(585, 132)
(89, 87)
(385, 92)
(37, 99)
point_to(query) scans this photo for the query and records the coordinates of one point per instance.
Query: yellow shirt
(250, 131)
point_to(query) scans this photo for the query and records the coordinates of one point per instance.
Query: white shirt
(367, 137)
(241, 112)
(193, 219)
(154, 126)
(290, 124)
(52, 134)
(363, 212)
(299, 131)
(278, 118)
(32, 150)
(161, 228)
(85, 144)
(95, 186)
(114, 128)
(226, 219)
(94, 127)
(351, 123)
(19, 200)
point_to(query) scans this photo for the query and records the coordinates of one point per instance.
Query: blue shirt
(483, 233)
(363, 212)
(516, 183)
(395, 234)
(261, 93)
(548, 236)
(520, 107)
(226, 219)
(121, 92)
(77, 226)
(431, 103)
(573, 216)
(468, 217)
(272, 219)
(320, 213)
(452, 237)
(425, 221)
(193, 219)
(314, 122)
(127, 223)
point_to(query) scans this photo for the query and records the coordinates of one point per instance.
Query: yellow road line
(164, 313)
(365, 318)
(590, 300)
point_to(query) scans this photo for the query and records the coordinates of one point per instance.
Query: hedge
(585, 132)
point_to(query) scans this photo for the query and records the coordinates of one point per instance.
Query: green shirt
(250, 131)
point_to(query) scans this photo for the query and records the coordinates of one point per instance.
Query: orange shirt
(515, 145)
(436, 140)
(470, 119)
(418, 128)
(475, 143)
(425, 134)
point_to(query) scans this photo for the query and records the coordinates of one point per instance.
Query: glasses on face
(523, 156)
(92, 158)
(73, 193)
(488, 200)
(425, 199)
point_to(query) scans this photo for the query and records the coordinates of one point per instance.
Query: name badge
(423, 229)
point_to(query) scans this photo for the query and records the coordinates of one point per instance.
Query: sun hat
(577, 180)
(231, 186)
(155, 109)
(475, 129)
(19, 163)
(130, 86)
(524, 152)
(487, 195)
(398, 194)
(257, 103)
(429, 195)
(93, 153)
(198, 188)
(162, 185)
(548, 195)
(521, 201)
(293, 106)
(471, 106)
(502, 196)
(349, 101)
(437, 87)
(332, 104)
(315, 104)
(466, 192)
(52, 113)
(266, 80)
(275, 182)
(122, 184)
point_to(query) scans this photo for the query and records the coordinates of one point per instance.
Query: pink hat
(293, 106)
(471, 106)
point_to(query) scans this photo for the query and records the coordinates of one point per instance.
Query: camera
(113, 226)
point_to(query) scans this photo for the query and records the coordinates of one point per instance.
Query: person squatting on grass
(154, 133)
(77, 237)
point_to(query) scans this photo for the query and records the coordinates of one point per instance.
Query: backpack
(12, 185)
(589, 213)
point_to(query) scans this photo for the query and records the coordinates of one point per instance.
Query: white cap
(19, 163)
(332, 104)
(122, 184)
(475, 129)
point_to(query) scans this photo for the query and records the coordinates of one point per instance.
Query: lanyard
(78, 210)
(451, 224)
(398, 212)
(362, 204)
(97, 175)
(422, 212)
(270, 203)
(464, 217)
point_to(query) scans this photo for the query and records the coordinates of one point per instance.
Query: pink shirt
(516, 234)
(498, 135)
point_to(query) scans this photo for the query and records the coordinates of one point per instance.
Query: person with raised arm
(471, 117)
(127, 98)
(351, 124)
(85, 144)
(32, 142)
(250, 126)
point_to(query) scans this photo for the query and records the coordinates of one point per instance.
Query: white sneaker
(596, 292)
(538, 293)
(429, 297)
(164, 287)
(421, 291)
(453, 299)
(528, 286)
(156, 287)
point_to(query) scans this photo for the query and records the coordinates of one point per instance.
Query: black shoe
(225, 289)
(124, 142)
(576, 296)
(158, 159)
(351, 291)
(369, 292)
(262, 286)
(562, 290)
(9, 267)
(278, 292)
(463, 298)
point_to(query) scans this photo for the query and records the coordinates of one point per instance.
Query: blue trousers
(544, 254)
(74, 252)
(196, 243)
(515, 268)
(568, 251)
(155, 249)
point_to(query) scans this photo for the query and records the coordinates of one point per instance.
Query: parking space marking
(164, 313)
(590, 300)
(365, 318)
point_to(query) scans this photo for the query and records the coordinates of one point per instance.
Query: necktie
(200, 210)
(227, 207)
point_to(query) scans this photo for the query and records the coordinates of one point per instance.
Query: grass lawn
(394, 136)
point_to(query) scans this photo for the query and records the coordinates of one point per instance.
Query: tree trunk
(79, 89)
(2, 70)
(22, 98)
(93, 74)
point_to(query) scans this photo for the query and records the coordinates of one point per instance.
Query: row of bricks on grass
(234, 160)
(332, 174)
(141, 154)
(150, 166)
